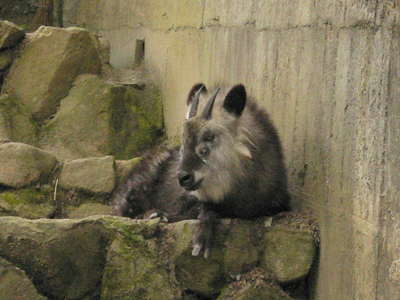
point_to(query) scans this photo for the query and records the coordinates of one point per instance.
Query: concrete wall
(327, 72)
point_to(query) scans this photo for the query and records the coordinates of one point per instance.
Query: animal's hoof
(196, 250)
(207, 253)
(156, 215)
(153, 216)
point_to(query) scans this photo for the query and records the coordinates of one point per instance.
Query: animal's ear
(235, 101)
(193, 92)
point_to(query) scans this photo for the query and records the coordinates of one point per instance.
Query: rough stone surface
(124, 167)
(255, 285)
(64, 258)
(10, 34)
(31, 203)
(87, 210)
(288, 254)
(14, 284)
(5, 59)
(131, 259)
(242, 247)
(100, 118)
(23, 165)
(133, 271)
(94, 175)
(47, 66)
(16, 123)
(238, 246)
(103, 47)
(204, 276)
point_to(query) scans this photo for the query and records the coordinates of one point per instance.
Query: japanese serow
(230, 165)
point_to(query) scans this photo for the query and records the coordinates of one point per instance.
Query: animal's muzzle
(186, 180)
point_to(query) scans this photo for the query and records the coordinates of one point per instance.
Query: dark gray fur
(230, 165)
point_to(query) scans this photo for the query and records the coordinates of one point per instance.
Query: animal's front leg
(204, 238)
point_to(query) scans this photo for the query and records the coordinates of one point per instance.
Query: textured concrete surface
(327, 72)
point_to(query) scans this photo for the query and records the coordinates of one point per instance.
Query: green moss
(100, 118)
(288, 253)
(132, 271)
(29, 203)
(137, 121)
(19, 125)
(87, 209)
(124, 167)
(28, 195)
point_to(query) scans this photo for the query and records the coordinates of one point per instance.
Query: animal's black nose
(186, 179)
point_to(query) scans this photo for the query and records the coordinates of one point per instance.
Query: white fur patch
(196, 194)
(244, 150)
(198, 176)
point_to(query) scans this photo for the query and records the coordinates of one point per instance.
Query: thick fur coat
(230, 164)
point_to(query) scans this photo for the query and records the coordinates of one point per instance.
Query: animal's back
(151, 187)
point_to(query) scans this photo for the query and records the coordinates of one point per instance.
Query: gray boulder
(124, 167)
(10, 34)
(255, 285)
(16, 123)
(236, 251)
(239, 244)
(288, 253)
(31, 202)
(99, 118)
(14, 284)
(134, 269)
(94, 175)
(87, 210)
(23, 165)
(47, 66)
(71, 259)
(103, 47)
(138, 259)
(64, 258)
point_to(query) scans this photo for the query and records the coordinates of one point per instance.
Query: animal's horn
(195, 103)
(210, 104)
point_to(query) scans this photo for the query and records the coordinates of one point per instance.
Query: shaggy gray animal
(230, 165)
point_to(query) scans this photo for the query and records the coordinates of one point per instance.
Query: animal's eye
(208, 137)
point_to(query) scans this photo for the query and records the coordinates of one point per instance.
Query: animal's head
(215, 146)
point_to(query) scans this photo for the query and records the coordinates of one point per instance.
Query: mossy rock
(48, 64)
(5, 59)
(10, 34)
(100, 118)
(141, 127)
(31, 203)
(288, 253)
(93, 175)
(88, 209)
(196, 273)
(106, 257)
(242, 246)
(64, 258)
(256, 285)
(24, 165)
(16, 123)
(132, 272)
(124, 167)
(15, 284)
(133, 269)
